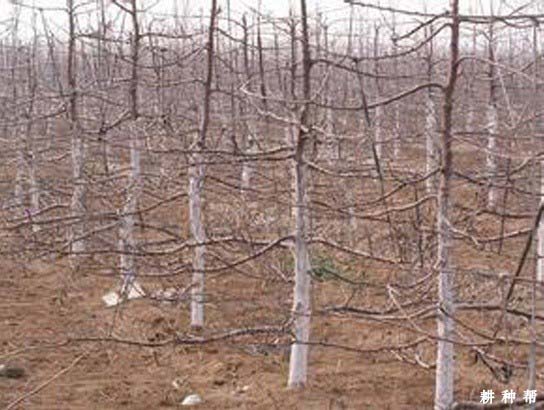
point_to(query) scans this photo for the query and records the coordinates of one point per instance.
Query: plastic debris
(113, 298)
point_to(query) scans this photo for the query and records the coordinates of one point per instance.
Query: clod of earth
(11, 372)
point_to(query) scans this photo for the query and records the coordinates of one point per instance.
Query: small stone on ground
(191, 400)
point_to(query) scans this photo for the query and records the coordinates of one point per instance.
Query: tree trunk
(378, 143)
(196, 185)
(298, 364)
(445, 362)
(77, 204)
(431, 122)
(539, 130)
(378, 114)
(247, 167)
(19, 192)
(13, 61)
(431, 127)
(248, 132)
(491, 159)
(127, 240)
(32, 152)
(492, 124)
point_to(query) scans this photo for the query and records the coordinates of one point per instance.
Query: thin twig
(43, 385)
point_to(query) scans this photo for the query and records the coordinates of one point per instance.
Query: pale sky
(336, 12)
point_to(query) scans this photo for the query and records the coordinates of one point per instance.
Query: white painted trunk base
(540, 232)
(302, 310)
(431, 128)
(34, 190)
(77, 204)
(397, 140)
(20, 172)
(196, 182)
(378, 138)
(445, 362)
(127, 241)
(247, 168)
(491, 157)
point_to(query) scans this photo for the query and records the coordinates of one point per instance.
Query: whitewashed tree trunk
(34, 188)
(19, 191)
(378, 114)
(445, 361)
(247, 166)
(538, 132)
(352, 220)
(126, 234)
(332, 149)
(491, 157)
(539, 273)
(471, 103)
(127, 241)
(431, 138)
(298, 364)
(32, 152)
(196, 186)
(492, 123)
(345, 119)
(431, 121)
(196, 183)
(302, 309)
(247, 171)
(77, 204)
(104, 73)
(540, 233)
(20, 171)
(398, 134)
(248, 142)
(470, 117)
(378, 140)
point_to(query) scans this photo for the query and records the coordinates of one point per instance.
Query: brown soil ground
(40, 309)
(46, 312)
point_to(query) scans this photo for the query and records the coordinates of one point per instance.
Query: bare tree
(78, 206)
(154, 91)
(298, 363)
(127, 242)
(196, 183)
